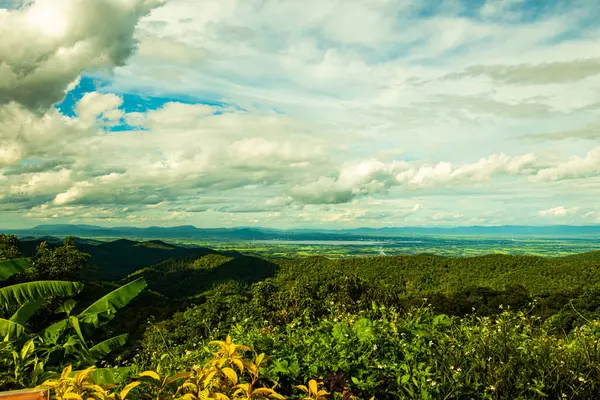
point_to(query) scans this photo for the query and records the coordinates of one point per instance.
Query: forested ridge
(422, 326)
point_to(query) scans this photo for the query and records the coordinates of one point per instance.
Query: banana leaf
(51, 333)
(106, 376)
(102, 349)
(104, 309)
(14, 266)
(10, 329)
(26, 311)
(31, 291)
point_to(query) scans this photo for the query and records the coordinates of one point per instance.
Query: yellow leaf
(177, 376)
(259, 359)
(238, 363)
(302, 387)
(127, 389)
(251, 367)
(66, 372)
(209, 379)
(263, 392)
(242, 347)
(312, 384)
(220, 396)
(151, 374)
(73, 396)
(231, 375)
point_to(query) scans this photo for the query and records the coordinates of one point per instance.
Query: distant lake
(330, 242)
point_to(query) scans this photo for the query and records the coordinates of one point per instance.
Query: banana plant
(77, 327)
(28, 296)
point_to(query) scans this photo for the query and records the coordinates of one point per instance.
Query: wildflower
(492, 388)
(425, 299)
(500, 306)
(581, 379)
(187, 352)
(428, 380)
(374, 347)
(433, 383)
(473, 308)
(564, 395)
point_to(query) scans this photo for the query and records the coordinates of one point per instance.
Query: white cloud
(593, 216)
(322, 122)
(64, 38)
(576, 167)
(372, 176)
(558, 211)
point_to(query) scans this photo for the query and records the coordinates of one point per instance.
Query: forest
(149, 319)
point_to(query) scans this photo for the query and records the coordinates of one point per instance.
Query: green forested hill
(117, 259)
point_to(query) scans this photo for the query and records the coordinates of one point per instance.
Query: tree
(9, 247)
(61, 263)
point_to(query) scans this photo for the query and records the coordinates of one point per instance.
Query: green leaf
(67, 306)
(31, 291)
(442, 320)
(10, 329)
(26, 311)
(107, 376)
(14, 266)
(52, 332)
(100, 350)
(104, 309)
(74, 322)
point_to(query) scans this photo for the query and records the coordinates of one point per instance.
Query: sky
(299, 114)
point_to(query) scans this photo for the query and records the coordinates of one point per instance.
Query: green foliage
(65, 262)
(14, 266)
(9, 248)
(423, 327)
(22, 293)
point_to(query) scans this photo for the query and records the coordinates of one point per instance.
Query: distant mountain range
(245, 233)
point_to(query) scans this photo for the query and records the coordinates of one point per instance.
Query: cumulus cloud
(576, 167)
(64, 38)
(559, 211)
(322, 123)
(372, 176)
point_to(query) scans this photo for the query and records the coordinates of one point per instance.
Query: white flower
(473, 308)
(500, 307)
